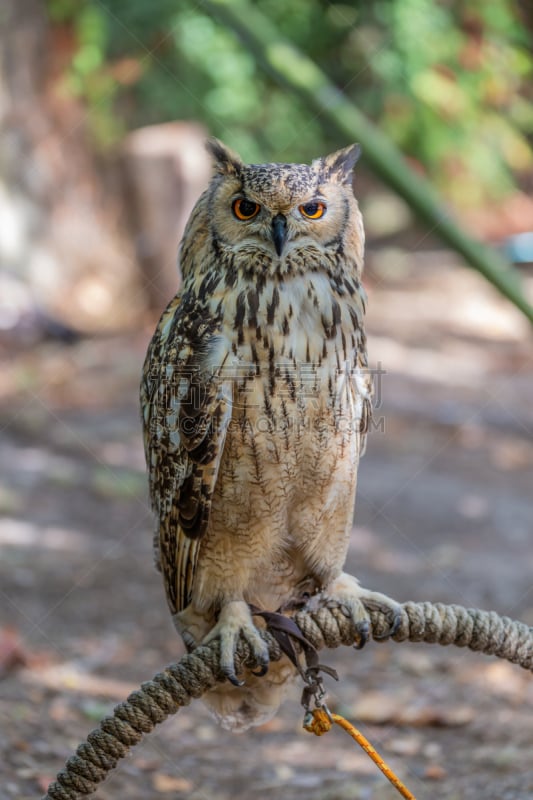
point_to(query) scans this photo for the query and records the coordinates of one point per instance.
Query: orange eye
(245, 209)
(313, 210)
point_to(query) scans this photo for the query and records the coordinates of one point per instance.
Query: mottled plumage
(256, 401)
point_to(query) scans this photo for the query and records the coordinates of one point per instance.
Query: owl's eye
(312, 210)
(245, 209)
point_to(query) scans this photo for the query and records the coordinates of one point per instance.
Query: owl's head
(284, 218)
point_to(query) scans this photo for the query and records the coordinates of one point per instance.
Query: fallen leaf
(435, 772)
(148, 764)
(69, 676)
(503, 679)
(436, 716)
(44, 781)
(169, 783)
(379, 708)
(376, 708)
(12, 652)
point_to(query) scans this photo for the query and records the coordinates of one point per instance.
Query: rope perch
(194, 674)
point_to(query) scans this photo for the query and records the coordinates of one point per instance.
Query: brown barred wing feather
(186, 411)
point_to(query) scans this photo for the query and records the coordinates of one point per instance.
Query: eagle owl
(256, 400)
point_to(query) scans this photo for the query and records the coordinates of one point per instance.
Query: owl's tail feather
(239, 708)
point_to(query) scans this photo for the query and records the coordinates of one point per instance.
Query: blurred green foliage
(450, 82)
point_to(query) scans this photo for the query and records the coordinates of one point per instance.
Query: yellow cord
(319, 722)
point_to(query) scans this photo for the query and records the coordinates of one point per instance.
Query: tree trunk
(166, 168)
(61, 240)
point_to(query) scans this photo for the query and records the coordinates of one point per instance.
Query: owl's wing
(186, 409)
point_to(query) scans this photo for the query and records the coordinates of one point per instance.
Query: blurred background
(104, 107)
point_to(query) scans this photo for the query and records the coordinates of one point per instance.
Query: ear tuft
(225, 161)
(338, 166)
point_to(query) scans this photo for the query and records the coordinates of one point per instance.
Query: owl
(256, 401)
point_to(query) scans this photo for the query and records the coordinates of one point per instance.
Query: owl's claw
(374, 601)
(231, 676)
(363, 632)
(189, 641)
(356, 602)
(234, 622)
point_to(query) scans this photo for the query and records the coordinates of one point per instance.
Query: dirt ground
(444, 513)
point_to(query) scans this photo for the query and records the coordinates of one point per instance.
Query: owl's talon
(346, 593)
(232, 678)
(235, 622)
(396, 615)
(363, 630)
(397, 621)
(374, 601)
(189, 641)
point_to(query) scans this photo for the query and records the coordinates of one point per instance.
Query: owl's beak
(279, 232)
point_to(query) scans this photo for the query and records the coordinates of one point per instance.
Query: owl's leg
(192, 626)
(356, 601)
(234, 621)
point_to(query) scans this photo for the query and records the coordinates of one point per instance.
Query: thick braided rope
(483, 631)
